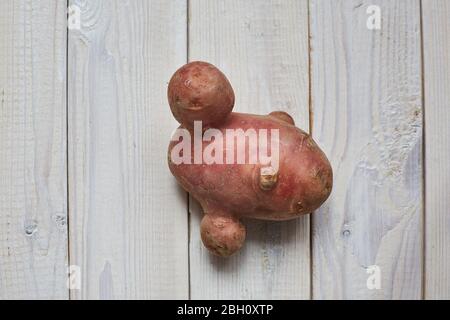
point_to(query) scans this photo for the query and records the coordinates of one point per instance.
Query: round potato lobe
(198, 91)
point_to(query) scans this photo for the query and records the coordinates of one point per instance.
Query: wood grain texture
(128, 218)
(33, 229)
(436, 37)
(262, 47)
(366, 100)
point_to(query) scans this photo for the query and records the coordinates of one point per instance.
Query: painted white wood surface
(367, 114)
(33, 229)
(262, 47)
(128, 218)
(436, 37)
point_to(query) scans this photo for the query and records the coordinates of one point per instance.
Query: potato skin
(283, 116)
(198, 91)
(304, 179)
(223, 235)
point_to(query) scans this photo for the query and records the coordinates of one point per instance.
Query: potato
(200, 91)
(231, 181)
(222, 234)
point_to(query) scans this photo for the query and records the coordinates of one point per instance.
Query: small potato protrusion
(198, 91)
(267, 178)
(222, 235)
(283, 116)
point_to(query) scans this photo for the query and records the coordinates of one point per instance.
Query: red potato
(297, 183)
(199, 91)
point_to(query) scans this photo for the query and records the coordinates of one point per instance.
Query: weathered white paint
(367, 114)
(436, 37)
(33, 229)
(128, 218)
(262, 47)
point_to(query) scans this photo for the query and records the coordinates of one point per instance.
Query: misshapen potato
(228, 191)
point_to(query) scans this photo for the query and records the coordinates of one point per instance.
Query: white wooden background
(84, 129)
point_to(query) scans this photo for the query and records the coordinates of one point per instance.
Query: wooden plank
(128, 217)
(436, 37)
(33, 228)
(366, 89)
(263, 49)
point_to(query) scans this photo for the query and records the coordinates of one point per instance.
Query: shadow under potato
(267, 241)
